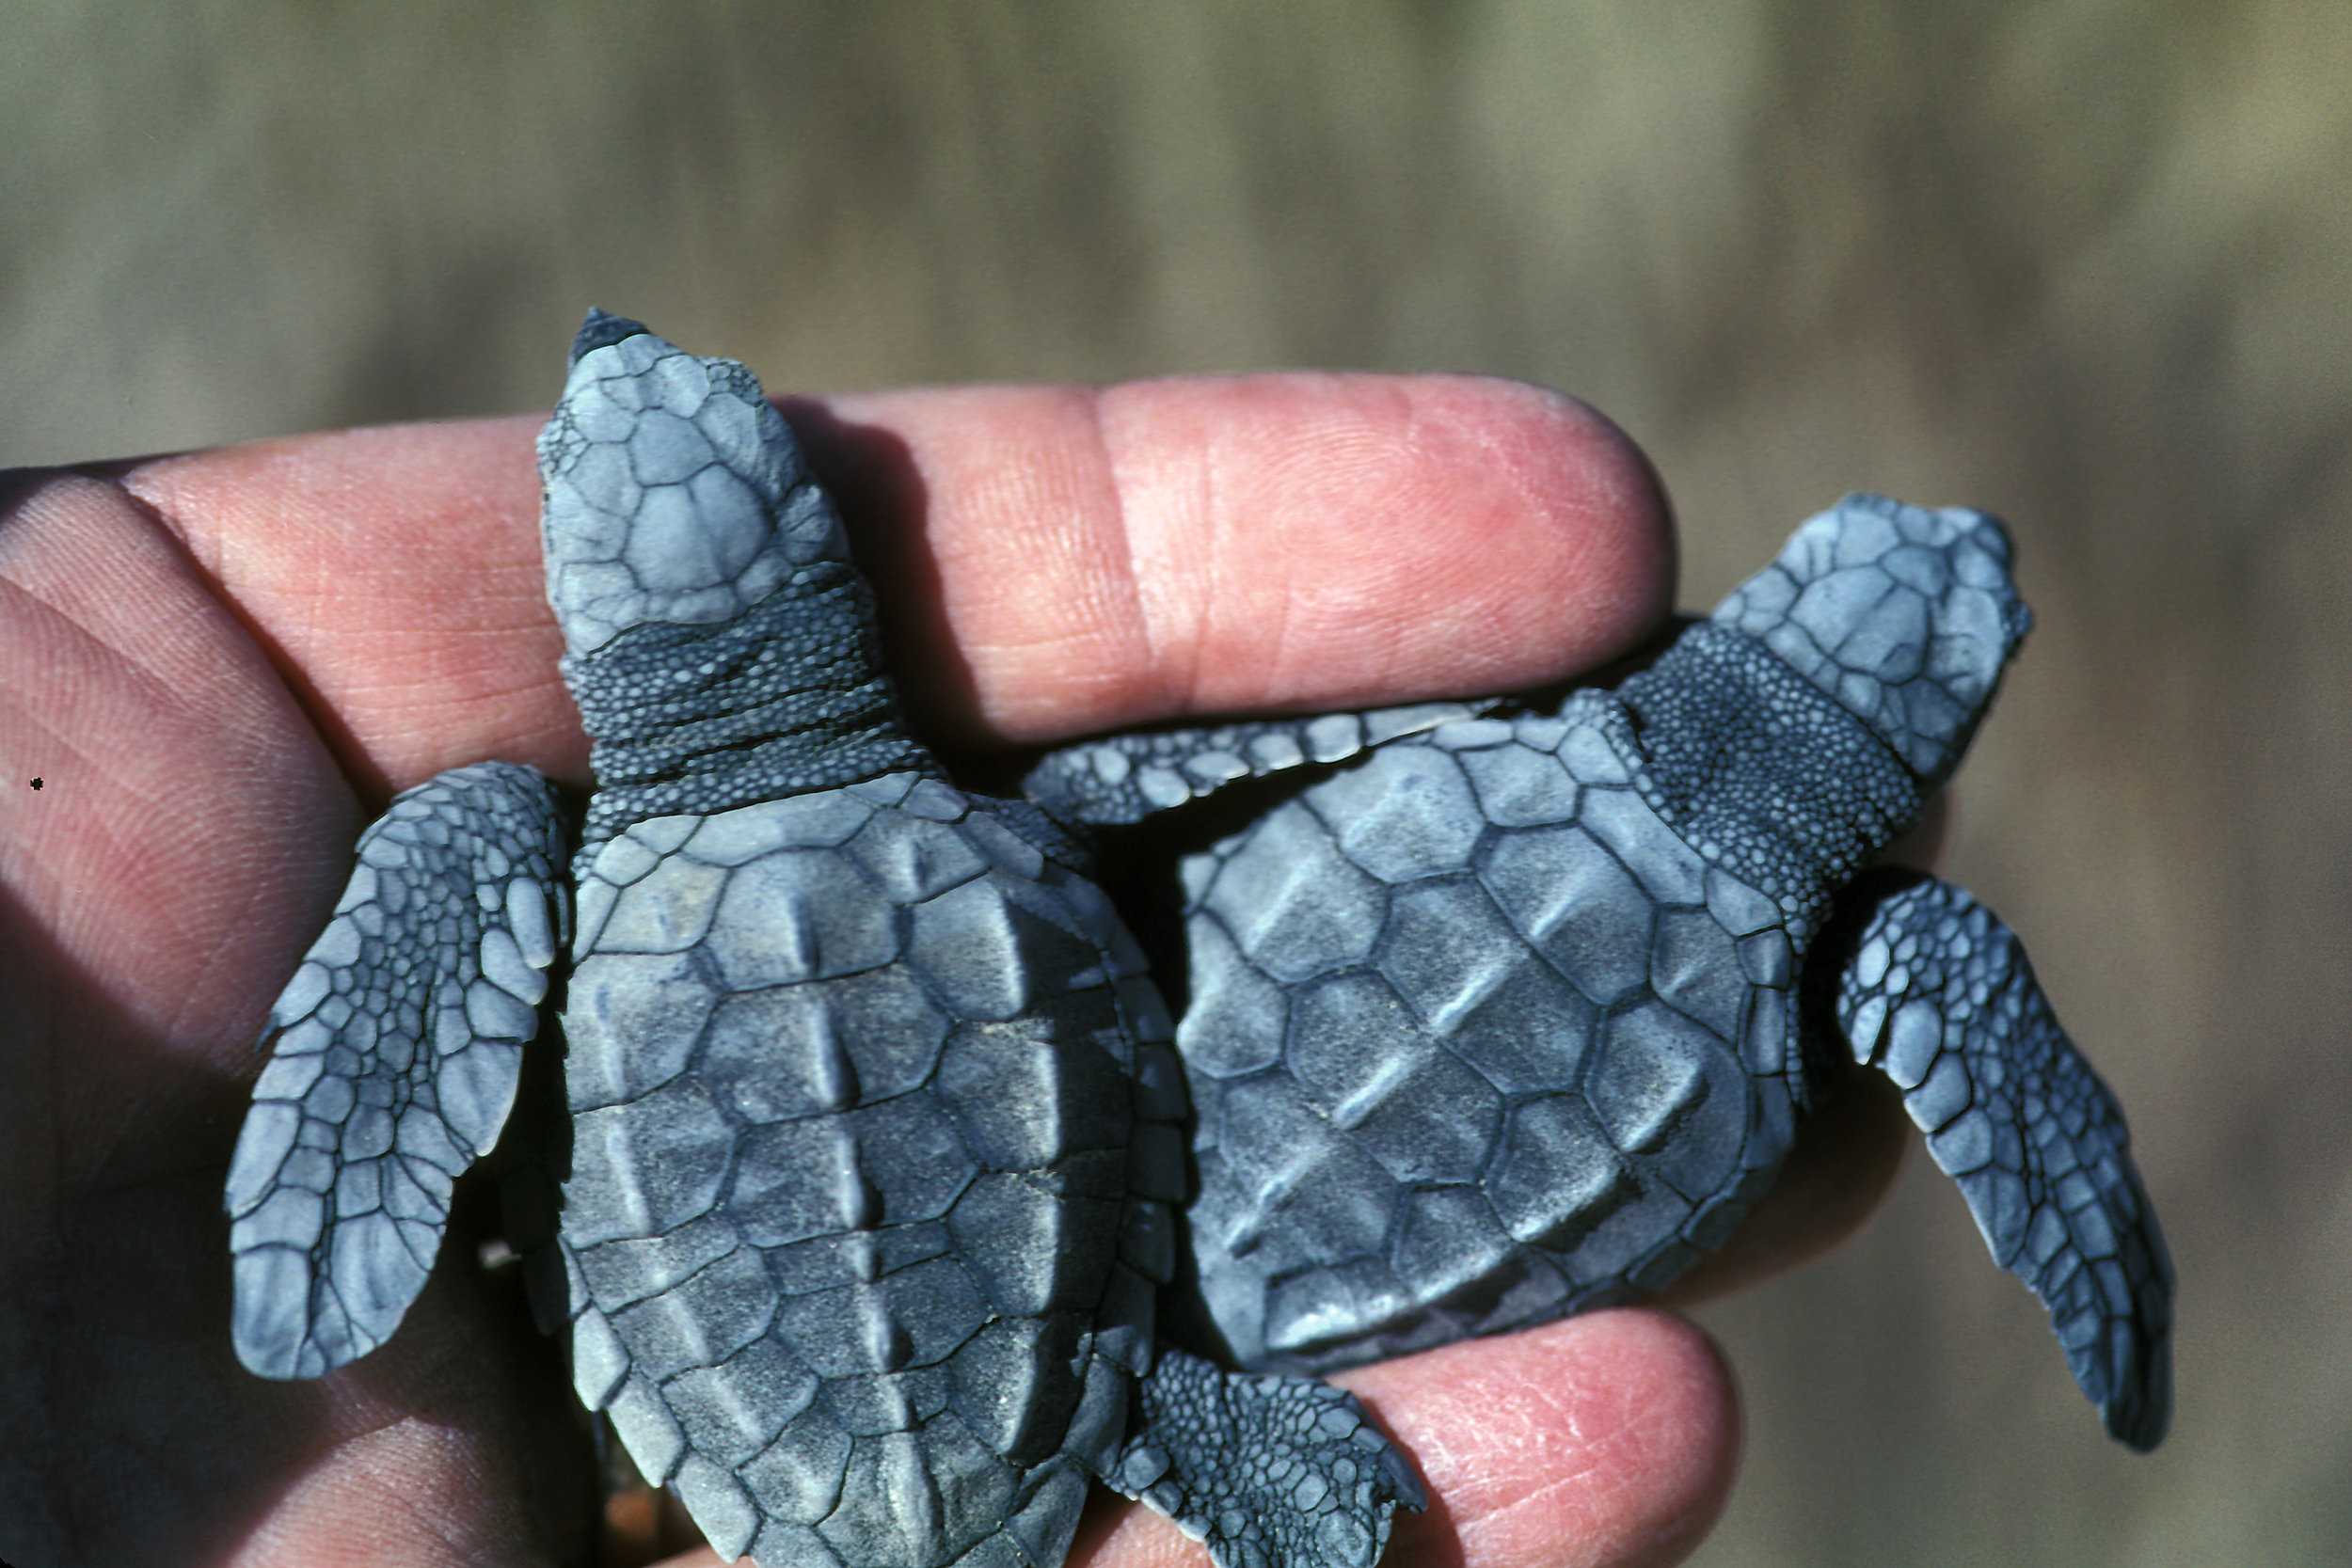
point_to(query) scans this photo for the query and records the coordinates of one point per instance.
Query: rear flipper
(1937, 994)
(1124, 778)
(1269, 1472)
(400, 1042)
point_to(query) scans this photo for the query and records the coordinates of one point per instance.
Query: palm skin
(221, 666)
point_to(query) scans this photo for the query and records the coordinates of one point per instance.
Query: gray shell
(875, 1131)
(1476, 1038)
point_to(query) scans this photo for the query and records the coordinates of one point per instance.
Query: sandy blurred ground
(2083, 263)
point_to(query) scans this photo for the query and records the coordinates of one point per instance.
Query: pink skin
(222, 665)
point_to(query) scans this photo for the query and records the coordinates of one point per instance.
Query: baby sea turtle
(875, 1124)
(1510, 1009)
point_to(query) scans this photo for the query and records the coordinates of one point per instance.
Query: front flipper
(1269, 1472)
(1120, 779)
(1937, 994)
(399, 1041)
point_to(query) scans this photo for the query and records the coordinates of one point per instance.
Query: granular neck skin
(1762, 772)
(784, 699)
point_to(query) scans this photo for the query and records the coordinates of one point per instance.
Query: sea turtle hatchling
(875, 1124)
(1508, 1010)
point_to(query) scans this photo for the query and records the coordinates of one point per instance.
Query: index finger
(1050, 560)
(1102, 557)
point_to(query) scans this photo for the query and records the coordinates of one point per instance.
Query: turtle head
(1905, 615)
(672, 491)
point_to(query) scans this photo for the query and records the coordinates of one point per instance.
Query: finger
(1606, 1439)
(393, 577)
(1609, 1439)
(1052, 559)
(1102, 557)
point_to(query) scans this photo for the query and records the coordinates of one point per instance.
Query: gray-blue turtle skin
(1508, 1010)
(875, 1125)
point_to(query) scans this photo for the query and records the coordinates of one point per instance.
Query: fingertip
(1311, 541)
(1567, 473)
(1610, 1438)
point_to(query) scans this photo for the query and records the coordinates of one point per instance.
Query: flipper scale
(399, 1045)
(1938, 994)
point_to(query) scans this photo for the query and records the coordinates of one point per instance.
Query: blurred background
(2082, 263)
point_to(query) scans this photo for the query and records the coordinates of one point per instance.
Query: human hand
(222, 665)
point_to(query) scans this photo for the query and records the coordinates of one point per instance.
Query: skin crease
(222, 666)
